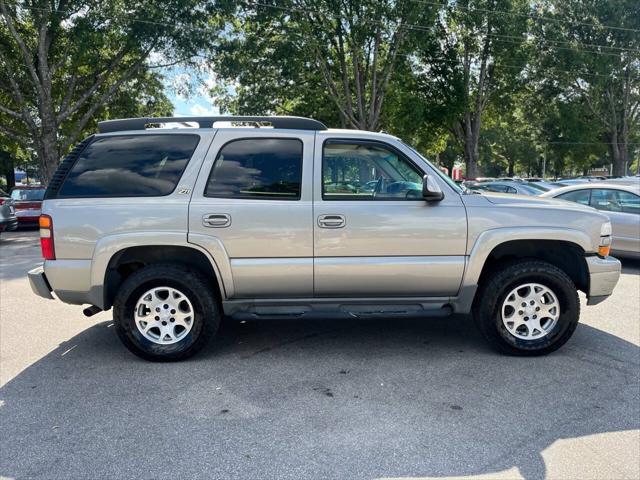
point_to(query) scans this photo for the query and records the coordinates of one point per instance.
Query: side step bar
(250, 312)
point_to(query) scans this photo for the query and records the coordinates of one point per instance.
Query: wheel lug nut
(526, 318)
(524, 304)
(520, 312)
(537, 309)
(157, 309)
(157, 317)
(173, 319)
(164, 323)
(166, 306)
(173, 311)
(535, 316)
(531, 302)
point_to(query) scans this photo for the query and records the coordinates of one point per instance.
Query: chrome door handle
(216, 220)
(331, 221)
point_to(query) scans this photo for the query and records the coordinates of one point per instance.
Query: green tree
(63, 62)
(591, 49)
(307, 55)
(474, 57)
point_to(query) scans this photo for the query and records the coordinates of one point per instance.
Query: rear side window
(615, 201)
(130, 166)
(260, 168)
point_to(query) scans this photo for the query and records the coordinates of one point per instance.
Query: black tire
(193, 285)
(493, 291)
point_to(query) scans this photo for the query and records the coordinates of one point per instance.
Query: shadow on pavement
(309, 399)
(630, 265)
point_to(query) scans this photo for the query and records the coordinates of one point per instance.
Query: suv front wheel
(165, 312)
(528, 307)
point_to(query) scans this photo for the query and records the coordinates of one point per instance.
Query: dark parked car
(28, 203)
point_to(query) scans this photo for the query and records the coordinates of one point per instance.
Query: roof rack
(293, 123)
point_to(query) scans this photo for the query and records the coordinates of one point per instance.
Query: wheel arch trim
(111, 245)
(488, 240)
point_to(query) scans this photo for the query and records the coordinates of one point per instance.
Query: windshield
(443, 176)
(28, 194)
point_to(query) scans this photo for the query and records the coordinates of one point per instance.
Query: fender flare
(111, 245)
(488, 240)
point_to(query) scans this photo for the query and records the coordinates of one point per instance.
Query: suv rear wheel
(165, 312)
(528, 307)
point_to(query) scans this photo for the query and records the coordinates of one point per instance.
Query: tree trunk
(48, 148)
(511, 168)
(8, 169)
(471, 140)
(471, 157)
(619, 153)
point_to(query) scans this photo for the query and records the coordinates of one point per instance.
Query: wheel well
(567, 256)
(128, 260)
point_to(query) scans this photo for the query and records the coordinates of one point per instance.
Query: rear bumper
(603, 277)
(39, 283)
(28, 215)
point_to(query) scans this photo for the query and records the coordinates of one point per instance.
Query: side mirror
(431, 191)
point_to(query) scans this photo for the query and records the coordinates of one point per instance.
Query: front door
(374, 235)
(252, 210)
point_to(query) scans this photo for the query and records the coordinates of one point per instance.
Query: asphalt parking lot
(313, 399)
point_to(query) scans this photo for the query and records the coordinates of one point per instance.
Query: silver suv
(259, 217)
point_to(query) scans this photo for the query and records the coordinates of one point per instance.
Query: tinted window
(578, 196)
(495, 188)
(130, 165)
(615, 201)
(257, 168)
(362, 171)
(28, 194)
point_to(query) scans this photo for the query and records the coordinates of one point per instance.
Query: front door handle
(216, 220)
(331, 221)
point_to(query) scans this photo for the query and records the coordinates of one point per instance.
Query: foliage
(64, 63)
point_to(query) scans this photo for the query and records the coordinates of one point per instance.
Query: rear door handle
(216, 220)
(331, 221)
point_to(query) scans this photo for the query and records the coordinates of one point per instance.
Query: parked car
(621, 203)
(629, 180)
(172, 228)
(8, 220)
(547, 184)
(28, 203)
(511, 186)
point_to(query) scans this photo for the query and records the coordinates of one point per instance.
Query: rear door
(252, 208)
(374, 234)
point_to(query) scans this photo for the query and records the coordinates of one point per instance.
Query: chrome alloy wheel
(164, 315)
(530, 311)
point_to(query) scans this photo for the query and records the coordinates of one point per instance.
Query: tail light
(46, 237)
(1, 201)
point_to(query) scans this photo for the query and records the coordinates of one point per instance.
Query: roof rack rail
(294, 123)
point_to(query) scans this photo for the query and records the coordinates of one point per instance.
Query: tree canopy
(503, 86)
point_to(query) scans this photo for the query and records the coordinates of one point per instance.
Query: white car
(619, 201)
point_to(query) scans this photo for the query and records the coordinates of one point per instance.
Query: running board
(249, 311)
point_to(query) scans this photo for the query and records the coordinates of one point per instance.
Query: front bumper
(39, 283)
(603, 277)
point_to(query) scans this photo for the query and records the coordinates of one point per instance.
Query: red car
(27, 201)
